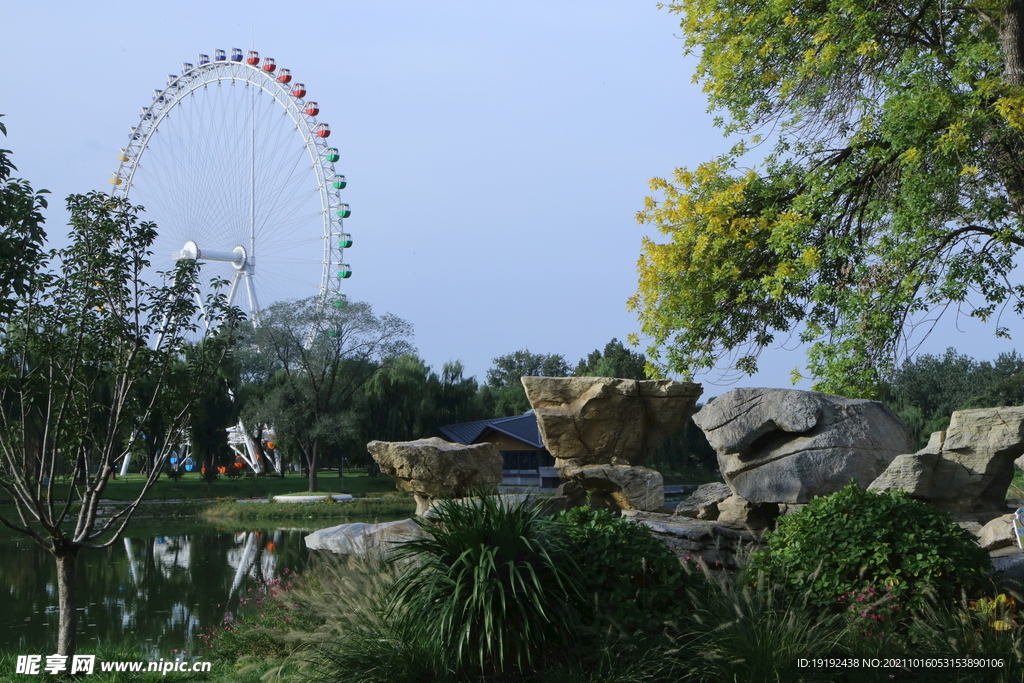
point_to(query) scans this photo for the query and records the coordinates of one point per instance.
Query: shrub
(631, 580)
(854, 540)
(492, 585)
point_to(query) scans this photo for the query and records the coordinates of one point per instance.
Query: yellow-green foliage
(894, 185)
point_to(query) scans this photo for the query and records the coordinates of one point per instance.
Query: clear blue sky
(496, 152)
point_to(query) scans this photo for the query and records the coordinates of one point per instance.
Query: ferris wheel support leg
(253, 303)
(202, 309)
(234, 287)
(241, 444)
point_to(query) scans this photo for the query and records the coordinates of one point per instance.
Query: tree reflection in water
(154, 590)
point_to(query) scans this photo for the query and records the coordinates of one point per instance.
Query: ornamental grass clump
(492, 585)
(854, 540)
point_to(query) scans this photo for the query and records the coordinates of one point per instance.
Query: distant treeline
(927, 389)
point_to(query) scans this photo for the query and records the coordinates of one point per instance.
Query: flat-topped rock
(718, 546)
(608, 421)
(434, 468)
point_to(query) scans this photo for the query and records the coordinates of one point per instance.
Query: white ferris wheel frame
(215, 72)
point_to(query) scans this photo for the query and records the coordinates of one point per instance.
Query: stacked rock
(599, 430)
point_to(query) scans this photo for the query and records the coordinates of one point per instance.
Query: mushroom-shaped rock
(434, 468)
(607, 421)
(788, 446)
(968, 467)
(632, 488)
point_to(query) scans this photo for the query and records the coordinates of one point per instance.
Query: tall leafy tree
(928, 389)
(504, 395)
(615, 361)
(313, 359)
(21, 234)
(90, 352)
(894, 189)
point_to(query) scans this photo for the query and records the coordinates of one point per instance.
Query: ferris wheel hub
(237, 257)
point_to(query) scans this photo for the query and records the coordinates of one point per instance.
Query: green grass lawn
(192, 487)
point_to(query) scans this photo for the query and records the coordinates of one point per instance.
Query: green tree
(407, 400)
(615, 361)
(894, 190)
(928, 389)
(395, 399)
(213, 412)
(453, 397)
(312, 360)
(21, 234)
(1003, 385)
(504, 395)
(90, 352)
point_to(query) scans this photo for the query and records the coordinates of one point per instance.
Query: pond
(155, 588)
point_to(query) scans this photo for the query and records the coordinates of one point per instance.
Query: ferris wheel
(232, 165)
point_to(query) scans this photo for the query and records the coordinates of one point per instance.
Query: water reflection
(156, 590)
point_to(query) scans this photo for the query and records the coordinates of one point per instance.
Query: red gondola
(299, 90)
(285, 76)
(312, 109)
(253, 59)
(322, 130)
(269, 65)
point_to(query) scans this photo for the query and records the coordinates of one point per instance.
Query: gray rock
(631, 488)
(434, 468)
(607, 421)
(998, 533)
(703, 503)
(1010, 568)
(789, 446)
(739, 513)
(715, 545)
(968, 467)
(364, 540)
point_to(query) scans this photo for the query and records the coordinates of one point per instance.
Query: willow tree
(88, 354)
(891, 191)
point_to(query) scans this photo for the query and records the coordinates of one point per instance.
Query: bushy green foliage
(492, 584)
(854, 539)
(631, 580)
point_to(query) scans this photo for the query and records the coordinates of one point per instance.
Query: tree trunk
(68, 621)
(1008, 150)
(1011, 40)
(311, 461)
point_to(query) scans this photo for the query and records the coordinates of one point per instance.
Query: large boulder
(789, 446)
(631, 488)
(606, 421)
(365, 540)
(968, 467)
(434, 468)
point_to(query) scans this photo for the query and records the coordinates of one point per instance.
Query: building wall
(504, 442)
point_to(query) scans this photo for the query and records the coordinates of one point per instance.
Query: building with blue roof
(525, 460)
